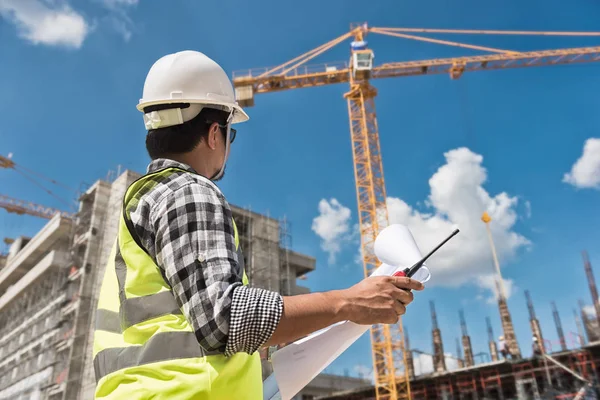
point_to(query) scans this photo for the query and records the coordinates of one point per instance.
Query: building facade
(49, 287)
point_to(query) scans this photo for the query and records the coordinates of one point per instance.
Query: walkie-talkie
(413, 270)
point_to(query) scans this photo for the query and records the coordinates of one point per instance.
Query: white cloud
(364, 372)
(589, 310)
(489, 282)
(528, 209)
(458, 197)
(451, 363)
(122, 24)
(47, 23)
(118, 3)
(332, 225)
(56, 23)
(585, 173)
(423, 363)
(118, 18)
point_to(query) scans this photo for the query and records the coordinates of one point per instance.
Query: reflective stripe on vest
(139, 327)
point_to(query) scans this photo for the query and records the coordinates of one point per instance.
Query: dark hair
(182, 138)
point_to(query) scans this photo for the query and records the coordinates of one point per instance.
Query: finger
(404, 282)
(399, 308)
(403, 296)
(393, 319)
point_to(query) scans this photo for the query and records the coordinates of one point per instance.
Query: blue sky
(72, 72)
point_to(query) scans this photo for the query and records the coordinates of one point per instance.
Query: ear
(213, 131)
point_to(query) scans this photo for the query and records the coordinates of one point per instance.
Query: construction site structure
(559, 329)
(580, 331)
(493, 347)
(590, 324)
(270, 262)
(50, 283)
(592, 284)
(521, 379)
(560, 374)
(507, 325)
(536, 330)
(439, 360)
(459, 358)
(466, 340)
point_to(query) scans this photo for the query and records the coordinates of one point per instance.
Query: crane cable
(57, 183)
(466, 114)
(32, 180)
(9, 163)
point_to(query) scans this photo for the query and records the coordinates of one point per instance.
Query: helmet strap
(219, 174)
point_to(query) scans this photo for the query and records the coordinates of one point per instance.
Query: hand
(378, 300)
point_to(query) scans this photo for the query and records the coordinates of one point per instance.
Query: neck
(196, 162)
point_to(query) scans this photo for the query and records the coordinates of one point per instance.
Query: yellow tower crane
(21, 207)
(391, 376)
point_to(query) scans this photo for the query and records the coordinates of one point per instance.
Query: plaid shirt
(185, 224)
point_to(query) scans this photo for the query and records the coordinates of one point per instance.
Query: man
(535, 347)
(176, 319)
(503, 348)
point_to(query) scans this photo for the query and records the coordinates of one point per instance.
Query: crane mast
(389, 356)
(387, 348)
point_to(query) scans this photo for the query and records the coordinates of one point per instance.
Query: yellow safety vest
(144, 347)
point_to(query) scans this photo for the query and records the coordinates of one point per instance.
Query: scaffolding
(459, 359)
(261, 247)
(439, 360)
(583, 362)
(69, 365)
(243, 222)
(444, 388)
(491, 384)
(466, 341)
(25, 349)
(466, 385)
(491, 342)
(559, 329)
(29, 323)
(418, 391)
(525, 381)
(285, 246)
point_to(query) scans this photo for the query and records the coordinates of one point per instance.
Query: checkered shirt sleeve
(195, 247)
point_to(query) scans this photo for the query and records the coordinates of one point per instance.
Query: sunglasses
(232, 134)
(232, 131)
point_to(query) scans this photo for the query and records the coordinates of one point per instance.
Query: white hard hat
(187, 77)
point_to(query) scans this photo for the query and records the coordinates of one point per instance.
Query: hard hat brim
(239, 115)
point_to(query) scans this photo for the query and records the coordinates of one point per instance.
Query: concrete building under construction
(49, 287)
